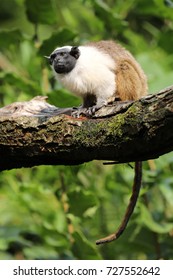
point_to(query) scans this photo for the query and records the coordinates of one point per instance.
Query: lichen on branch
(37, 133)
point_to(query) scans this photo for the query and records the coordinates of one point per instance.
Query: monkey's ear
(75, 52)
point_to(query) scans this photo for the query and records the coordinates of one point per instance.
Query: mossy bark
(136, 131)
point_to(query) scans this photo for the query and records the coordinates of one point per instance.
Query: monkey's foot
(87, 112)
(80, 111)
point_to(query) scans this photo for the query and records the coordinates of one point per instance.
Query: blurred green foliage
(57, 212)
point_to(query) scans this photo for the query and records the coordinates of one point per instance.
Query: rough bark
(37, 133)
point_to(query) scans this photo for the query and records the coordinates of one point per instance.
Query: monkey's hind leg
(130, 207)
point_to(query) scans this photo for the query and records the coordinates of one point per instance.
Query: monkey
(101, 73)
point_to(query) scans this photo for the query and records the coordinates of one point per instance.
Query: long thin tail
(130, 207)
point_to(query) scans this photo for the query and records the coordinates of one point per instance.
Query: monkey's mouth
(59, 68)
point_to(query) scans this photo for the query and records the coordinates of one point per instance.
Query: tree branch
(37, 133)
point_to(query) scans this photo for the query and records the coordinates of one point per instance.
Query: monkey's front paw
(91, 110)
(87, 112)
(80, 111)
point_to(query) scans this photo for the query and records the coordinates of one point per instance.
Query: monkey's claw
(78, 112)
(87, 112)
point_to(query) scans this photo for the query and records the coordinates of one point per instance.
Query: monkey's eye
(62, 53)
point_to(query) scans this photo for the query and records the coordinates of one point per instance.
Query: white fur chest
(93, 73)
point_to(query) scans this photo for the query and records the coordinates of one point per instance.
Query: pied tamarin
(100, 73)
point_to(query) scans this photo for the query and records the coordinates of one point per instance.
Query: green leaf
(60, 38)
(63, 98)
(40, 11)
(167, 190)
(83, 249)
(147, 219)
(154, 8)
(19, 83)
(109, 17)
(164, 42)
(56, 239)
(88, 201)
(40, 252)
(11, 37)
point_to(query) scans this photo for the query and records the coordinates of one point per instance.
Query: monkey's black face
(64, 59)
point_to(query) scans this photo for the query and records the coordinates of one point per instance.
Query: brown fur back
(130, 79)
